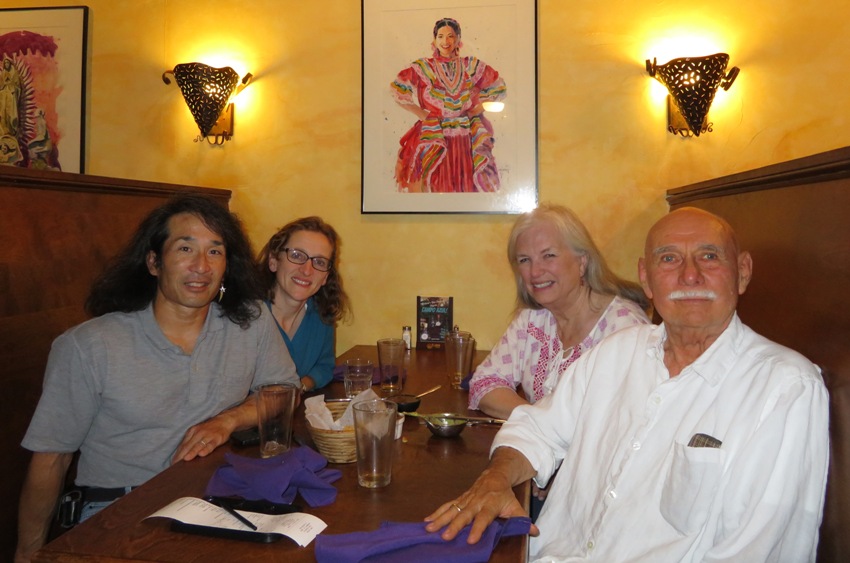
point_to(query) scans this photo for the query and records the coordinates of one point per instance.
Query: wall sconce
(208, 92)
(692, 83)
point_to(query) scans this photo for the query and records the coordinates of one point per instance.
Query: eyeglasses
(320, 263)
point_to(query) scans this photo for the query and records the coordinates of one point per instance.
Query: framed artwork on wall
(42, 87)
(434, 137)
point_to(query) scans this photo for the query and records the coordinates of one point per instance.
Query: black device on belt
(71, 502)
(99, 494)
(70, 508)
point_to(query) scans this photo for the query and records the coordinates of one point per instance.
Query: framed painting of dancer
(449, 106)
(42, 87)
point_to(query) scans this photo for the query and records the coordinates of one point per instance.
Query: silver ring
(459, 509)
(203, 443)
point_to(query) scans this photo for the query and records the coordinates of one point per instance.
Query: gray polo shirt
(120, 392)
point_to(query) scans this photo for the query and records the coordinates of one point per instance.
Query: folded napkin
(277, 479)
(411, 543)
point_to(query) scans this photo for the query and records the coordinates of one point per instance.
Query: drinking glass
(275, 407)
(460, 347)
(374, 434)
(391, 363)
(358, 376)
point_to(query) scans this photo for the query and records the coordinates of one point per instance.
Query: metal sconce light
(208, 92)
(692, 83)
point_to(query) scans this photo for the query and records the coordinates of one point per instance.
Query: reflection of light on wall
(656, 91)
(523, 200)
(231, 60)
(722, 97)
(672, 47)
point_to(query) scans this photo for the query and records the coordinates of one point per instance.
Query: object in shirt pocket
(701, 440)
(691, 486)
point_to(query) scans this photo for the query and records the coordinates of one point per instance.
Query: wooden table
(427, 471)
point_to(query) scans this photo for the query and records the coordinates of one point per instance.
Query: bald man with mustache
(694, 440)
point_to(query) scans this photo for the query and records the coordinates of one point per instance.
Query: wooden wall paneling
(793, 218)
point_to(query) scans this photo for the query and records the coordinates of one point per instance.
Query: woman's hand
(422, 113)
(501, 402)
(538, 492)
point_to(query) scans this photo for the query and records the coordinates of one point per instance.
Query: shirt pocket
(690, 486)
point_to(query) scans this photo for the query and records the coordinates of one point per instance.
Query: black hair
(126, 285)
(447, 22)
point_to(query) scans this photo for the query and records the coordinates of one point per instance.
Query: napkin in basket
(318, 416)
(411, 543)
(277, 479)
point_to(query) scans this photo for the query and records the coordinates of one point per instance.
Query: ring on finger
(203, 443)
(456, 506)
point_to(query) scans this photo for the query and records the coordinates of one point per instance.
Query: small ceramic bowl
(406, 403)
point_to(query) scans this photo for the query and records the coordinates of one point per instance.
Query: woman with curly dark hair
(304, 294)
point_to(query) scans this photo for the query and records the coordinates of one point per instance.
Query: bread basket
(338, 446)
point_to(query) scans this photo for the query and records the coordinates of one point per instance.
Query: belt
(98, 494)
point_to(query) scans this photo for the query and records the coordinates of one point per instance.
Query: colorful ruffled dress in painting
(450, 150)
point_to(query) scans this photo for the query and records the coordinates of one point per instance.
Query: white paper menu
(299, 526)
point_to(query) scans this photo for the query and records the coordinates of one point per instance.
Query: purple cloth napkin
(409, 542)
(464, 383)
(277, 479)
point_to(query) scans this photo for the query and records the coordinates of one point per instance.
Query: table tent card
(433, 321)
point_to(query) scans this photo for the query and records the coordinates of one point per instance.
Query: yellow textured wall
(603, 148)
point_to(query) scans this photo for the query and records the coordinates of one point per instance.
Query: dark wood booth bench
(57, 230)
(794, 217)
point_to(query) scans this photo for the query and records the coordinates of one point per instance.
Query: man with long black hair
(162, 372)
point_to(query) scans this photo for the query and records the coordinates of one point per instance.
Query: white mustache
(692, 294)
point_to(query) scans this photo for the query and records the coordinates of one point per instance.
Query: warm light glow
(722, 97)
(494, 107)
(220, 61)
(677, 44)
(245, 98)
(657, 93)
(667, 38)
(234, 60)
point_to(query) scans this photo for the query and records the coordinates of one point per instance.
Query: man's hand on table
(202, 439)
(490, 497)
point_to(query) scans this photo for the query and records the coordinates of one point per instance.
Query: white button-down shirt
(631, 489)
